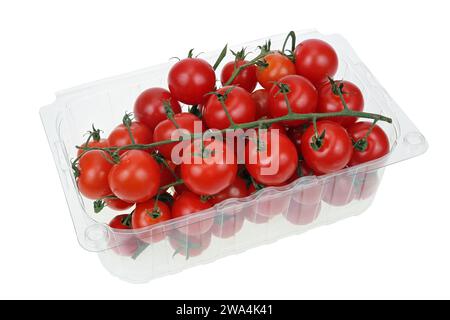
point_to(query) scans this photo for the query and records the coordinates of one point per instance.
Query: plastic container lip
(407, 142)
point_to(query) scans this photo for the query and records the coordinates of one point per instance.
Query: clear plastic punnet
(302, 205)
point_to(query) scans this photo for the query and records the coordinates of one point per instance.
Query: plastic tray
(306, 203)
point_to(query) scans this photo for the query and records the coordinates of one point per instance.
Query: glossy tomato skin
(302, 99)
(189, 246)
(120, 137)
(330, 102)
(278, 66)
(237, 189)
(102, 143)
(127, 242)
(316, 60)
(93, 179)
(377, 142)
(334, 153)
(295, 134)
(136, 178)
(246, 79)
(150, 213)
(187, 204)
(117, 204)
(261, 99)
(227, 225)
(206, 176)
(284, 162)
(240, 106)
(149, 108)
(302, 214)
(190, 80)
(164, 130)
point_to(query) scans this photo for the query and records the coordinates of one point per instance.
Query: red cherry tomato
(246, 79)
(278, 66)
(120, 137)
(102, 143)
(237, 189)
(187, 204)
(376, 144)
(339, 190)
(93, 179)
(149, 108)
(295, 134)
(316, 60)
(117, 204)
(167, 173)
(189, 246)
(273, 165)
(239, 104)
(278, 126)
(334, 152)
(227, 225)
(127, 243)
(302, 97)
(205, 175)
(165, 129)
(261, 99)
(136, 177)
(302, 214)
(150, 213)
(330, 101)
(190, 80)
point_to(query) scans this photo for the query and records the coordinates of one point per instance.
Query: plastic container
(271, 214)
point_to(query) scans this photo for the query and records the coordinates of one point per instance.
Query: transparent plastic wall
(237, 224)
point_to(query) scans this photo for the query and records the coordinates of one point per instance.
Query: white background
(399, 248)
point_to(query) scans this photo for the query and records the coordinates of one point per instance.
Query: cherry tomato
(330, 101)
(239, 104)
(167, 173)
(246, 79)
(295, 134)
(120, 137)
(374, 146)
(333, 152)
(208, 174)
(316, 60)
(179, 188)
(102, 143)
(190, 80)
(187, 204)
(339, 190)
(278, 126)
(127, 242)
(261, 99)
(117, 204)
(150, 213)
(302, 214)
(94, 170)
(302, 97)
(237, 189)
(149, 108)
(189, 246)
(272, 206)
(166, 130)
(275, 163)
(136, 177)
(278, 66)
(227, 225)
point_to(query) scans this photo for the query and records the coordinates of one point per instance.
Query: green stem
(242, 67)
(291, 35)
(176, 183)
(221, 56)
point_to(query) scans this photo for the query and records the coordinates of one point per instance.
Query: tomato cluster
(135, 165)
